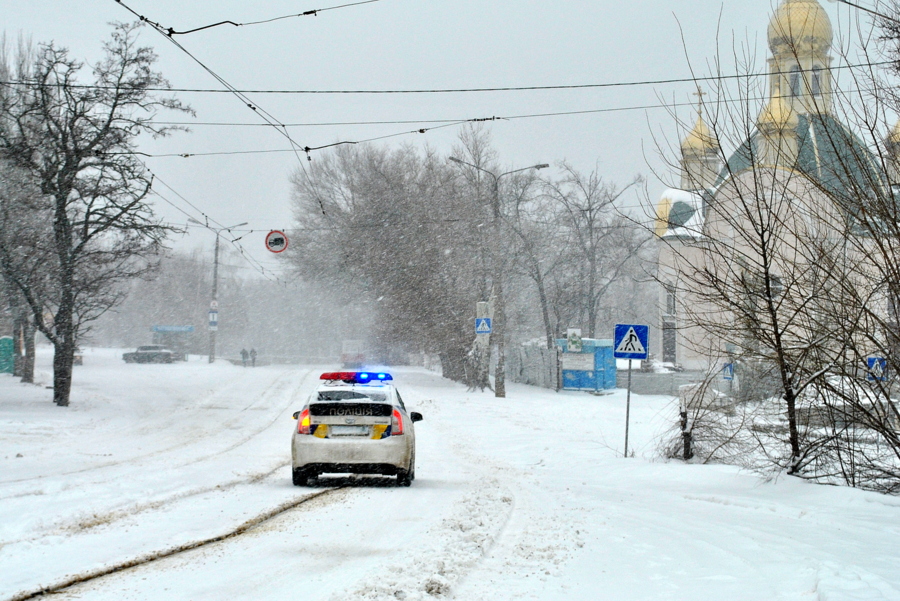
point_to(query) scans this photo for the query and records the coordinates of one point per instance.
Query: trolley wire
(522, 88)
(309, 13)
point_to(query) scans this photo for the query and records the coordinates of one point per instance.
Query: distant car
(355, 422)
(151, 353)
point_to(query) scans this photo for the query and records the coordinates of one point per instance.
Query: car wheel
(405, 477)
(301, 476)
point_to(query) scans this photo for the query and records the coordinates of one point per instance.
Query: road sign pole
(627, 407)
(630, 341)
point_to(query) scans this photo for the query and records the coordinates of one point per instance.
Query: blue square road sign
(483, 325)
(631, 341)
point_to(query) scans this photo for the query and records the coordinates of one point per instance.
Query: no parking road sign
(631, 341)
(276, 241)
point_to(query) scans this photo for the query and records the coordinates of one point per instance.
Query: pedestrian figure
(253, 357)
(244, 355)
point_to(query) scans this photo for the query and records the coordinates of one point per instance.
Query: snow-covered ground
(526, 497)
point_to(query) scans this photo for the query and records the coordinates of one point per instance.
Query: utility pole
(214, 304)
(214, 301)
(499, 319)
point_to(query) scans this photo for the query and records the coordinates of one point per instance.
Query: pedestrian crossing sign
(878, 369)
(483, 325)
(631, 341)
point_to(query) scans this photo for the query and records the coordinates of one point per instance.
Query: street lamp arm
(535, 167)
(494, 175)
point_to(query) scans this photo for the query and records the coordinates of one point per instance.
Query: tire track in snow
(154, 454)
(82, 523)
(225, 387)
(460, 542)
(148, 558)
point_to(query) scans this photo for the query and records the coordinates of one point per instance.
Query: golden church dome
(699, 139)
(799, 25)
(778, 115)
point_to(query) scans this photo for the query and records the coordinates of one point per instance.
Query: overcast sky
(409, 44)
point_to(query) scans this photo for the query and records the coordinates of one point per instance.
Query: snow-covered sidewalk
(526, 497)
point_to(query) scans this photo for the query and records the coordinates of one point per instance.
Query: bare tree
(390, 231)
(23, 233)
(603, 243)
(77, 144)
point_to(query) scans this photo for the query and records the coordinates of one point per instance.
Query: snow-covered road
(520, 498)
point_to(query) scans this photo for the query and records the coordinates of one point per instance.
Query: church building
(795, 160)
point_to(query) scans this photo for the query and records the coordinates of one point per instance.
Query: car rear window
(346, 395)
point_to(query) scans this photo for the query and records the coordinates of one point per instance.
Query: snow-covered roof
(679, 214)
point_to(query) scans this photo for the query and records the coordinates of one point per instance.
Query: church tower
(777, 125)
(699, 156)
(800, 38)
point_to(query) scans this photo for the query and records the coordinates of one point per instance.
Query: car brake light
(396, 423)
(303, 422)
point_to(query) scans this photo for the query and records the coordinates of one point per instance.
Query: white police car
(355, 422)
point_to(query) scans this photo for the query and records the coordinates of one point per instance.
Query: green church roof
(828, 153)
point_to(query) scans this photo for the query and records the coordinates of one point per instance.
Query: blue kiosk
(593, 368)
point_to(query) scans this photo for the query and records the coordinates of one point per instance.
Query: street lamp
(214, 303)
(499, 318)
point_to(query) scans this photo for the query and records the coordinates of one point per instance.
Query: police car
(355, 422)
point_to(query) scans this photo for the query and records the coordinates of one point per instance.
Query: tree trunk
(499, 328)
(63, 350)
(545, 312)
(18, 340)
(29, 332)
(453, 364)
(63, 358)
(794, 433)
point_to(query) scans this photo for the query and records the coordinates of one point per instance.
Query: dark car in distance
(151, 353)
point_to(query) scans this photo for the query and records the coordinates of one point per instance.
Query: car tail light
(303, 422)
(396, 423)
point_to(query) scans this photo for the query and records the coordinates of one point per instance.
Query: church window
(670, 300)
(817, 81)
(794, 81)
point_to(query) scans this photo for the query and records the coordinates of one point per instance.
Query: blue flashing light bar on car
(356, 377)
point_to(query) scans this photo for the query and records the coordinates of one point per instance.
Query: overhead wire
(264, 115)
(442, 124)
(295, 147)
(309, 13)
(531, 88)
(207, 219)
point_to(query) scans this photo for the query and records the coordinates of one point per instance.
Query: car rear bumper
(358, 455)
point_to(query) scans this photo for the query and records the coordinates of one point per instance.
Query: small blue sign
(878, 369)
(213, 320)
(631, 341)
(482, 325)
(728, 371)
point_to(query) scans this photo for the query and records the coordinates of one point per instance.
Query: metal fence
(656, 383)
(534, 365)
